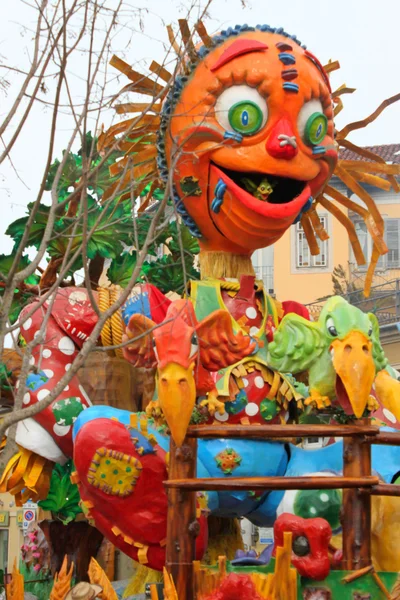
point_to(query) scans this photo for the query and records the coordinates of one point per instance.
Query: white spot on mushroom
(61, 430)
(27, 398)
(254, 330)
(46, 353)
(49, 373)
(68, 366)
(259, 382)
(222, 418)
(251, 409)
(27, 324)
(324, 497)
(245, 381)
(41, 395)
(66, 346)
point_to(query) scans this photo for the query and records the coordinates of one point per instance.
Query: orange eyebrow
(237, 49)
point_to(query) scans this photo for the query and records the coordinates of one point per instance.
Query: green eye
(316, 128)
(245, 117)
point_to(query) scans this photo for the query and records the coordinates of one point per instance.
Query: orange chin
(216, 161)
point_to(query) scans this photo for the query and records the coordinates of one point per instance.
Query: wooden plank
(280, 431)
(386, 438)
(271, 483)
(385, 489)
(182, 524)
(356, 506)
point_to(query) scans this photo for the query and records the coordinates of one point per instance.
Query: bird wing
(219, 345)
(297, 344)
(140, 350)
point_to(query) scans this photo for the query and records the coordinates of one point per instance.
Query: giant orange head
(250, 137)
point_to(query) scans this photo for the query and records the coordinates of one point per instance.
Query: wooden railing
(357, 483)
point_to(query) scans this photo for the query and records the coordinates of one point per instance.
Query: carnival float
(242, 135)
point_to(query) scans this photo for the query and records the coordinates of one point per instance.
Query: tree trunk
(78, 540)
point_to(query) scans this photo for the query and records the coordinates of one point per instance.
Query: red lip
(266, 209)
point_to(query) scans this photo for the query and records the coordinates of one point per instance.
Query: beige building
(11, 534)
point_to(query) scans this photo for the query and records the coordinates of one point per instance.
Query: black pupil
(301, 546)
(194, 340)
(332, 330)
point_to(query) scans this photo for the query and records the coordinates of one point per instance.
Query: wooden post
(356, 508)
(182, 527)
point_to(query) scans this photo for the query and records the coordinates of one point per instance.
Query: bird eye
(370, 331)
(312, 123)
(330, 325)
(301, 546)
(194, 345)
(242, 109)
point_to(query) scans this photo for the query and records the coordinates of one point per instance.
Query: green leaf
(63, 497)
(121, 269)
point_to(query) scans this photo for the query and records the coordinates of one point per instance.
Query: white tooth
(73, 330)
(373, 387)
(332, 351)
(69, 325)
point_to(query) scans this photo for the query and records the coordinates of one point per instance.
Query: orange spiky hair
(245, 125)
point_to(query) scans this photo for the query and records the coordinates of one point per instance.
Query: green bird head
(344, 338)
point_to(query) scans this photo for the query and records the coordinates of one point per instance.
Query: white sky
(362, 34)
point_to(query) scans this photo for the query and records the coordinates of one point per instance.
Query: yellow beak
(177, 397)
(353, 363)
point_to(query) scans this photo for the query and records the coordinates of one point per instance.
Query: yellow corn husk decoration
(29, 472)
(15, 589)
(141, 577)
(98, 576)
(62, 581)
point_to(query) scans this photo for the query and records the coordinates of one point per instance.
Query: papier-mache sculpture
(245, 132)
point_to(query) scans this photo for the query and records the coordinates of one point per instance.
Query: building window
(304, 258)
(391, 260)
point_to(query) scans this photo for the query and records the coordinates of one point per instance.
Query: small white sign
(28, 517)
(266, 535)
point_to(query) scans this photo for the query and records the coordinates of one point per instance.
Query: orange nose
(282, 141)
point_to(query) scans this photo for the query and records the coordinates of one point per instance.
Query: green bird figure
(343, 356)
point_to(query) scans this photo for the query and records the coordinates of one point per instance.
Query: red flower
(236, 587)
(310, 543)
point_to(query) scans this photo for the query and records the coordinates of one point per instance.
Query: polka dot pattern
(42, 394)
(251, 312)
(251, 409)
(222, 418)
(27, 398)
(61, 430)
(259, 382)
(46, 353)
(66, 346)
(28, 324)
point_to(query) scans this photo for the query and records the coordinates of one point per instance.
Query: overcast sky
(362, 34)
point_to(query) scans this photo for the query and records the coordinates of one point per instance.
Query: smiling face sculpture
(251, 140)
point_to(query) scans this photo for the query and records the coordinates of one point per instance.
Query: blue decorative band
(290, 87)
(319, 150)
(286, 58)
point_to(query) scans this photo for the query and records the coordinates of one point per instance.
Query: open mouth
(342, 397)
(267, 188)
(269, 195)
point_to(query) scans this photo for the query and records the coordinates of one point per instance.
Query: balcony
(384, 302)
